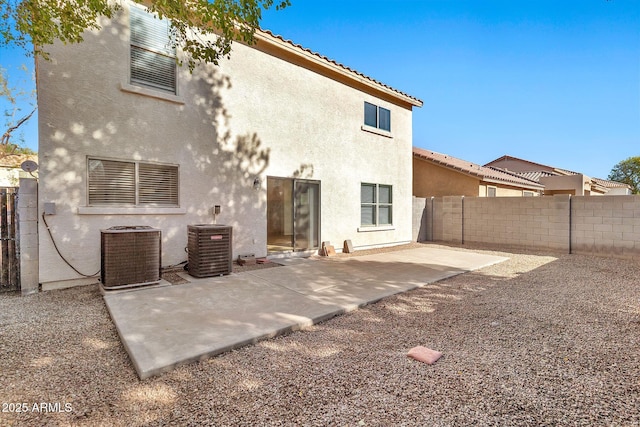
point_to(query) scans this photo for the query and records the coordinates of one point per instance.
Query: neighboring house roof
(535, 171)
(336, 70)
(535, 175)
(15, 160)
(611, 184)
(484, 173)
(529, 166)
(533, 166)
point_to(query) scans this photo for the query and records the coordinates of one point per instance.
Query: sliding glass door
(293, 214)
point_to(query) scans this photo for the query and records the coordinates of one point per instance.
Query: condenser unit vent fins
(209, 248)
(130, 256)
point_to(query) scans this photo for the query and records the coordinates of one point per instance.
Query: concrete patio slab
(165, 327)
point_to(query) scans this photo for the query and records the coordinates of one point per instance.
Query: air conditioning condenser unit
(130, 256)
(209, 247)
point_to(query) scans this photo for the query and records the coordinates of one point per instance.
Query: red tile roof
(539, 170)
(533, 176)
(610, 184)
(482, 172)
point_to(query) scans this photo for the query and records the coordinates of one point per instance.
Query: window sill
(139, 90)
(377, 131)
(107, 210)
(374, 228)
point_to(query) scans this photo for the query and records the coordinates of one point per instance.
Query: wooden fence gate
(9, 251)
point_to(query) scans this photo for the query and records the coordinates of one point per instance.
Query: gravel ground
(542, 339)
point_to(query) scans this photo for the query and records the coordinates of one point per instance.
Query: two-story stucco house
(293, 147)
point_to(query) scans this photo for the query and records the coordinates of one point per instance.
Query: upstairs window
(153, 54)
(124, 183)
(377, 117)
(376, 205)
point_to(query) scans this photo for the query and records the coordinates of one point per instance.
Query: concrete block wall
(452, 219)
(430, 215)
(437, 230)
(419, 224)
(605, 225)
(28, 235)
(540, 222)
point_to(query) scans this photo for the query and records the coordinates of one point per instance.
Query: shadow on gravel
(531, 341)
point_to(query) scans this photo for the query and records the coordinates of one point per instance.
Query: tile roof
(482, 172)
(15, 160)
(534, 175)
(535, 167)
(415, 101)
(539, 170)
(611, 184)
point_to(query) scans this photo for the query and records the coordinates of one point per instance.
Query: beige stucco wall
(619, 191)
(575, 185)
(503, 190)
(253, 116)
(430, 180)
(10, 176)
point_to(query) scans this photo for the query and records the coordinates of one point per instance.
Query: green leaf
(203, 29)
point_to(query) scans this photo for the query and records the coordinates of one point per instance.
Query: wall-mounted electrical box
(49, 208)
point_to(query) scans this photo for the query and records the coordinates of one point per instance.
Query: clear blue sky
(552, 81)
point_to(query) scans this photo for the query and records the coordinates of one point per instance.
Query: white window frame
(139, 186)
(376, 204)
(527, 193)
(168, 52)
(495, 191)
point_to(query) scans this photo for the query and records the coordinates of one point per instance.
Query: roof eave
(528, 186)
(288, 50)
(448, 166)
(481, 176)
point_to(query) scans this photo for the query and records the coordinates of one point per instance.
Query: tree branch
(7, 135)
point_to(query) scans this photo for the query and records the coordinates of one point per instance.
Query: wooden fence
(9, 250)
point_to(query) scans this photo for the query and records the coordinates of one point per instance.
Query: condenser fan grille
(209, 248)
(130, 256)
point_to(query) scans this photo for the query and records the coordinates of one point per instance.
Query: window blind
(152, 52)
(113, 182)
(157, 184)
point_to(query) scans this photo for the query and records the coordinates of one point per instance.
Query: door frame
(294, 205)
